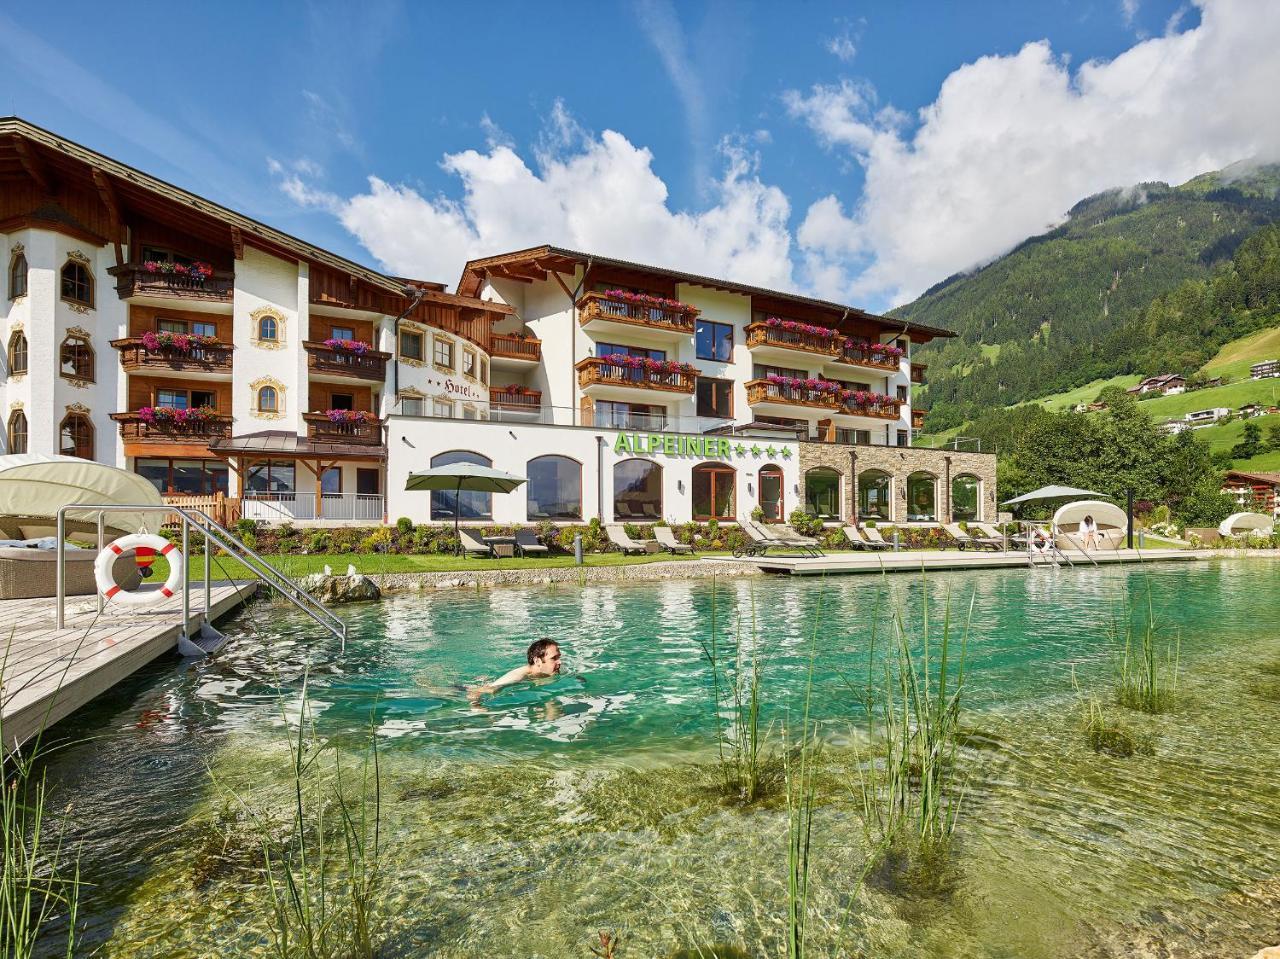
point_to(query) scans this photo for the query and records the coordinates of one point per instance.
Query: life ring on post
(146, 548)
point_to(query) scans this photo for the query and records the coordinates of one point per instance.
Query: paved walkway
(47, 673)
(915, 560)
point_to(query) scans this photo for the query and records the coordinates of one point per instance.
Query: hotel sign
(703, 447)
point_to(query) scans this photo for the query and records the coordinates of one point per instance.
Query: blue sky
(861, 151)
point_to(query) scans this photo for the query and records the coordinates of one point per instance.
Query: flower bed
(175, 342)
(648, 365)
(358, 347)
(169, 414)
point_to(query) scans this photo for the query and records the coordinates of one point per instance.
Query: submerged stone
(718, 951)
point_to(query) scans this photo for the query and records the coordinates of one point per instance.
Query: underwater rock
(717, 951)
(352, 588)
(1271, 952)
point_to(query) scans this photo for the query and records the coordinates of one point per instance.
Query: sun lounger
(858, 541)
(619, 538)
(965, 540)
(786, 536)
(528, 544)
(759, 541)
(990, 532)
(667, 540)
(873, 537)
(470, 543)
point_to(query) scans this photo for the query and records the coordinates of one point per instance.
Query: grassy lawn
(1226, 436)
(1266, 463)
(1235, 358)
(1233, 396)
(1087, 393)
(376, 564)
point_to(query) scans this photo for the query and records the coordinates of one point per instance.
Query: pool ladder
(209, 639)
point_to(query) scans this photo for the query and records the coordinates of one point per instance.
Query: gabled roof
(1271, 479)
(537, 263)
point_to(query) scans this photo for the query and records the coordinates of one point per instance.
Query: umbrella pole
(457, 511)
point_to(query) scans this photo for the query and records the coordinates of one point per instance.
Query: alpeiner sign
(703, 447)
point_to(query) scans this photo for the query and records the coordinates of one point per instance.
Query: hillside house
(1260, 491)
(1167, 384)
(1265, 370)
(1206, 417)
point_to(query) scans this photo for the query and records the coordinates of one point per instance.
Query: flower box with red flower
(358, 347)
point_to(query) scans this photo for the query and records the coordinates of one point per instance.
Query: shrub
(757, 514)
(376, 542)
(735, 538)
(319, 542)
(404, 526)
(246, 527)
(806, 524)
(250, 540)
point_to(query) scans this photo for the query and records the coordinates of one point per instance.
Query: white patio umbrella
(463, 476)
(1051, 492)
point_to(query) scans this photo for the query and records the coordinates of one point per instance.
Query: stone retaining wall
(572, 575)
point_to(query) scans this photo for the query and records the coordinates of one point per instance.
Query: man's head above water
(544, 657)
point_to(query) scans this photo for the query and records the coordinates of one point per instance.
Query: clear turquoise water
(583, 803)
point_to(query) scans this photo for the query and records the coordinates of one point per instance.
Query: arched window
(467, 504)
(77, 436)
(267, 329)
(268, 400)
(772, 500)
(637, 490)
(554, 490)
(822, 492)
(18, 352)
(18, 276)
(922, 498)
(713, 491)
(874, 491)
(17, 432)
(965, 501)
(76, 358)
(77, 283)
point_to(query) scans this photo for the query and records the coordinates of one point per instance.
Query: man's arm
(516, 675)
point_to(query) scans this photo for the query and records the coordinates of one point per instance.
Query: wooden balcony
(134, 429)
(917, 419)
(763, 393)
(507, 346)
(133, 280)
(866, 358)
(528, 401)
(917, 373)
(136, 358)
(594, 372)
(327, 361)
(323, 430)
(762, 336)
(597, 312)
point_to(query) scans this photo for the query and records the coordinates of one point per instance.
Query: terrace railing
(135, 429)
(525, 400)
(597, 306)
(207, 358)
(359, 433)
(762, 334)
(370, 365)
(594, 371)
(134, 280)
(514, 347)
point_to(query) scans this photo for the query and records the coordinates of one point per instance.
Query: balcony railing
(509, 346)
(859, 355)
(917, 419)
(286, 507)
(358, 433)
(526, 400)
(370, 365)
(917, 372)
(134, 280)
(134, 429)
(208, 358)
(762, 391)
(762, 334)
(594, 371)
(597, 306)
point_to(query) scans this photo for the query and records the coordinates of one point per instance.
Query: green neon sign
(674, 444)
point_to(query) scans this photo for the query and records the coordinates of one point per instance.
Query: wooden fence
(224, 509)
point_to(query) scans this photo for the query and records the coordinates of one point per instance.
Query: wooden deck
(914, 560)
(48, 673)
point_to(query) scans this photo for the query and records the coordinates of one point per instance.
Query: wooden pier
(48, 673)
(913, 561)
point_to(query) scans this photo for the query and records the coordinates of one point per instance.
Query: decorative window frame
(426, 345)
(16, 409)
(77, 333)
(453, 352)
(281, 328)
(409, 393)
(281, 391)
(16, 329)
(75, 305)
(81, 411)
(447, 402)
(472, 352)
(18, 250)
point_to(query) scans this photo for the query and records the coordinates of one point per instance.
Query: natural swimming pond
(590, 802)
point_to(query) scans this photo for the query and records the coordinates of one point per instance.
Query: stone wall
(900, 462)
(567, 575)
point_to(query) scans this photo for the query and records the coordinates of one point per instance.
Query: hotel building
(152, 329)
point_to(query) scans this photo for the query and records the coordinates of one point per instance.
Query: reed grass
(749, 767)
(324, 880)
(1147, 676)
(910, 787)
(1103, 733)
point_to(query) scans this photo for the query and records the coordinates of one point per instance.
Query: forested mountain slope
(1076, 304)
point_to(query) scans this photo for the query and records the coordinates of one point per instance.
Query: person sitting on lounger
(1089, 533)
(543, 657)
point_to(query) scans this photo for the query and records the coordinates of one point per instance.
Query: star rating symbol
(786, 452)
(740, 450)
(756, 450)
(772, 451)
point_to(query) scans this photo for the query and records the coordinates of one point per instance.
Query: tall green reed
(324, 878)
(747, 763)
(1147, 676)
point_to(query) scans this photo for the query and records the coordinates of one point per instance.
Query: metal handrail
(223, 537)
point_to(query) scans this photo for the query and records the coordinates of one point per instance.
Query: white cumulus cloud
(1011, 142)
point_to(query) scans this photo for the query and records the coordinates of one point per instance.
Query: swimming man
(544, 661)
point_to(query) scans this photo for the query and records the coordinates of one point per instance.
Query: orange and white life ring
(146, 548)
